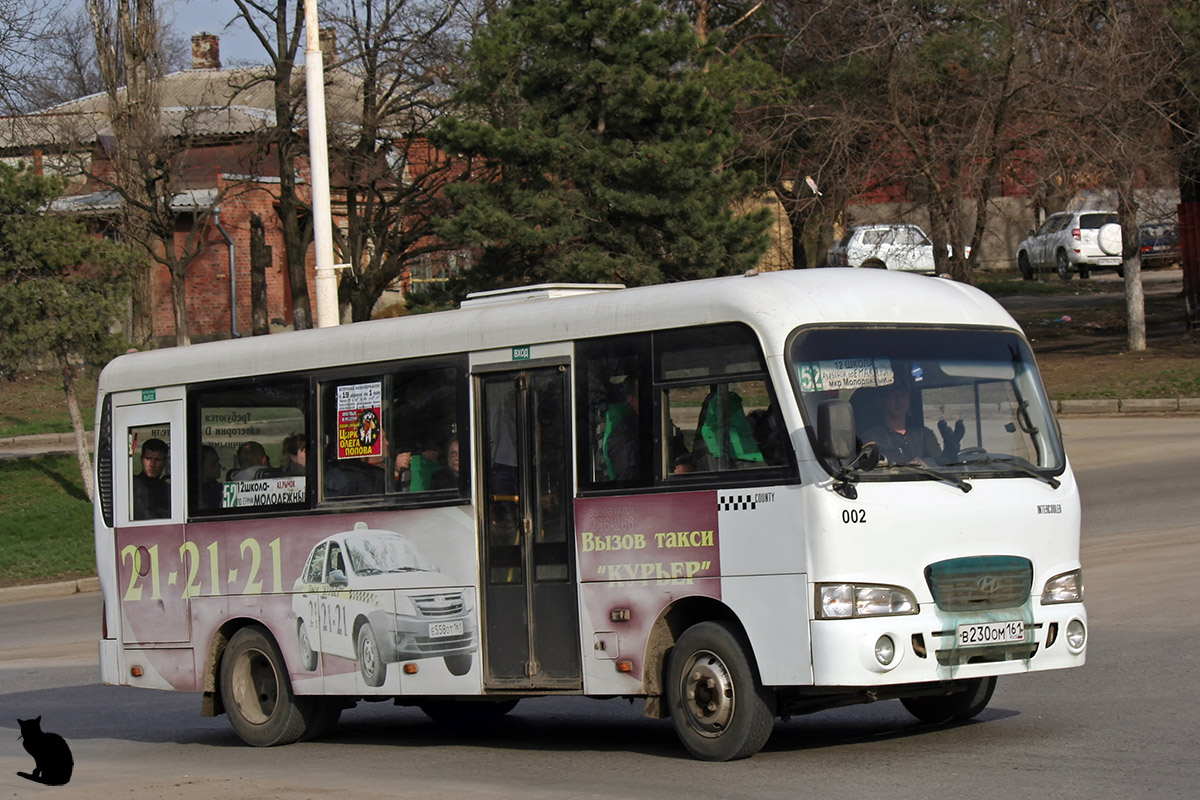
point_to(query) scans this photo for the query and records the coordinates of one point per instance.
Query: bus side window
(429, 451)
(150, 471)
(615, 416)
(237, 458)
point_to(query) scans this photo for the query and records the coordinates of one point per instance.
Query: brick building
(227, 173)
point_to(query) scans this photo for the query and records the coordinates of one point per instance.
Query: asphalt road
(1121, 727)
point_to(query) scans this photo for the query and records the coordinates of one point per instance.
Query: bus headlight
(846, 600)
(1064, 588)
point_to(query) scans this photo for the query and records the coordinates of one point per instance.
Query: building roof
(108, 201)
(195, 102)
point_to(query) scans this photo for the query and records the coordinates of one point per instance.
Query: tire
(458, 665)
(370, 660)
(308, 656)
(971, 697)
(1063, 265)
(719, 708)
(1025, 267)
(873, 263)
(257, 693)
(1084, 272)
(460, 712)
(1109, 239)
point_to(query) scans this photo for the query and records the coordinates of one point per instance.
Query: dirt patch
(1080, 339)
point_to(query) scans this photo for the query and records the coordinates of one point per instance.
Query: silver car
(1072, 241)
(895, 246)
(369, 596)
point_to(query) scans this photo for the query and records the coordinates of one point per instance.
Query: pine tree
(603, 148)
(61, 290)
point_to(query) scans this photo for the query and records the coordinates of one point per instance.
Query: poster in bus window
(359, 410)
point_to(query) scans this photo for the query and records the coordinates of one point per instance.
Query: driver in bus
(902, 442)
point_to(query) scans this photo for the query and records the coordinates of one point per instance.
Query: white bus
(736, 499)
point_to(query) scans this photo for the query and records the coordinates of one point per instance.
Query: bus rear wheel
(719, 708)
(971, 698)
(257, 693)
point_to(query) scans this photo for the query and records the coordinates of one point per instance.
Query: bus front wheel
(719, 708)
(257, 693)
(972, 697)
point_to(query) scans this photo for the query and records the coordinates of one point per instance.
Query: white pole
(318, 160)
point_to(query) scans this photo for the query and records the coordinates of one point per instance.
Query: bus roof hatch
(541, 291)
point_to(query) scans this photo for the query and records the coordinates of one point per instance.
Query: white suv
(1067, 242)
(890, 246)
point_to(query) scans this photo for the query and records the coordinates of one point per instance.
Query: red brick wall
(208, 281)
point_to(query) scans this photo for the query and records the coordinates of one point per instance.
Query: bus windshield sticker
(359, 408)
(845, 373)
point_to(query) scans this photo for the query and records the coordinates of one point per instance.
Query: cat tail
(41, 780)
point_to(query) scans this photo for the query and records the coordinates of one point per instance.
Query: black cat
(51, 756)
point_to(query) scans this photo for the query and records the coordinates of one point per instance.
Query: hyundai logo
(988, 584)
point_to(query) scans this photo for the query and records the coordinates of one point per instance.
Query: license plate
(1109, 262)
(440, 630)
(985, 633)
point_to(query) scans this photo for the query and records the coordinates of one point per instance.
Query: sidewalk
(41, 591)
(40, 444)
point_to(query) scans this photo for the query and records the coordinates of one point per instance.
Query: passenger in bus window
(363, 476)
(295, 454)
(447, 476)
(724, 439)
(210, 478)
(903, 442)
(151, 490)
(414, 470)
(252, 463)
(620, 446)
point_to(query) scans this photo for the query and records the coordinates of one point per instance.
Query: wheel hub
(708, 694)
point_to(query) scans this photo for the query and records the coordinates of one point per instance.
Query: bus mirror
(835, 429)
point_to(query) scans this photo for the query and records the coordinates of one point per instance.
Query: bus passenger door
(148, 476)
(529, 596)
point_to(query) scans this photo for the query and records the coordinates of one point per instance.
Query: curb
(1162, 406)
(41, 591)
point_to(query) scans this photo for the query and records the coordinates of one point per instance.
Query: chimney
(206, 51)
(329, 53)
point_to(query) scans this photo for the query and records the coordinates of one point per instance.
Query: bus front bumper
(880, 651)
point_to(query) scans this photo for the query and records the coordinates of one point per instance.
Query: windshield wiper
(941, 476)
(1016, 463)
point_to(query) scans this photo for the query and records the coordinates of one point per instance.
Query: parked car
(888, 246)
(369, 596)
(1159, 242)
(1072, 241)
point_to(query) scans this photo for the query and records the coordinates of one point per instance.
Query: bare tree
(281, 38)
(389, 176)
(1116, 84)
(23, 28)
(148, 161)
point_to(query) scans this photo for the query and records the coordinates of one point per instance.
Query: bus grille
(438, 605)
(980, 582)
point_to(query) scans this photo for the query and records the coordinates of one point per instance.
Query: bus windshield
(965, 402)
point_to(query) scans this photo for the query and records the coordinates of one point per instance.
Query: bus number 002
(853, 516)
